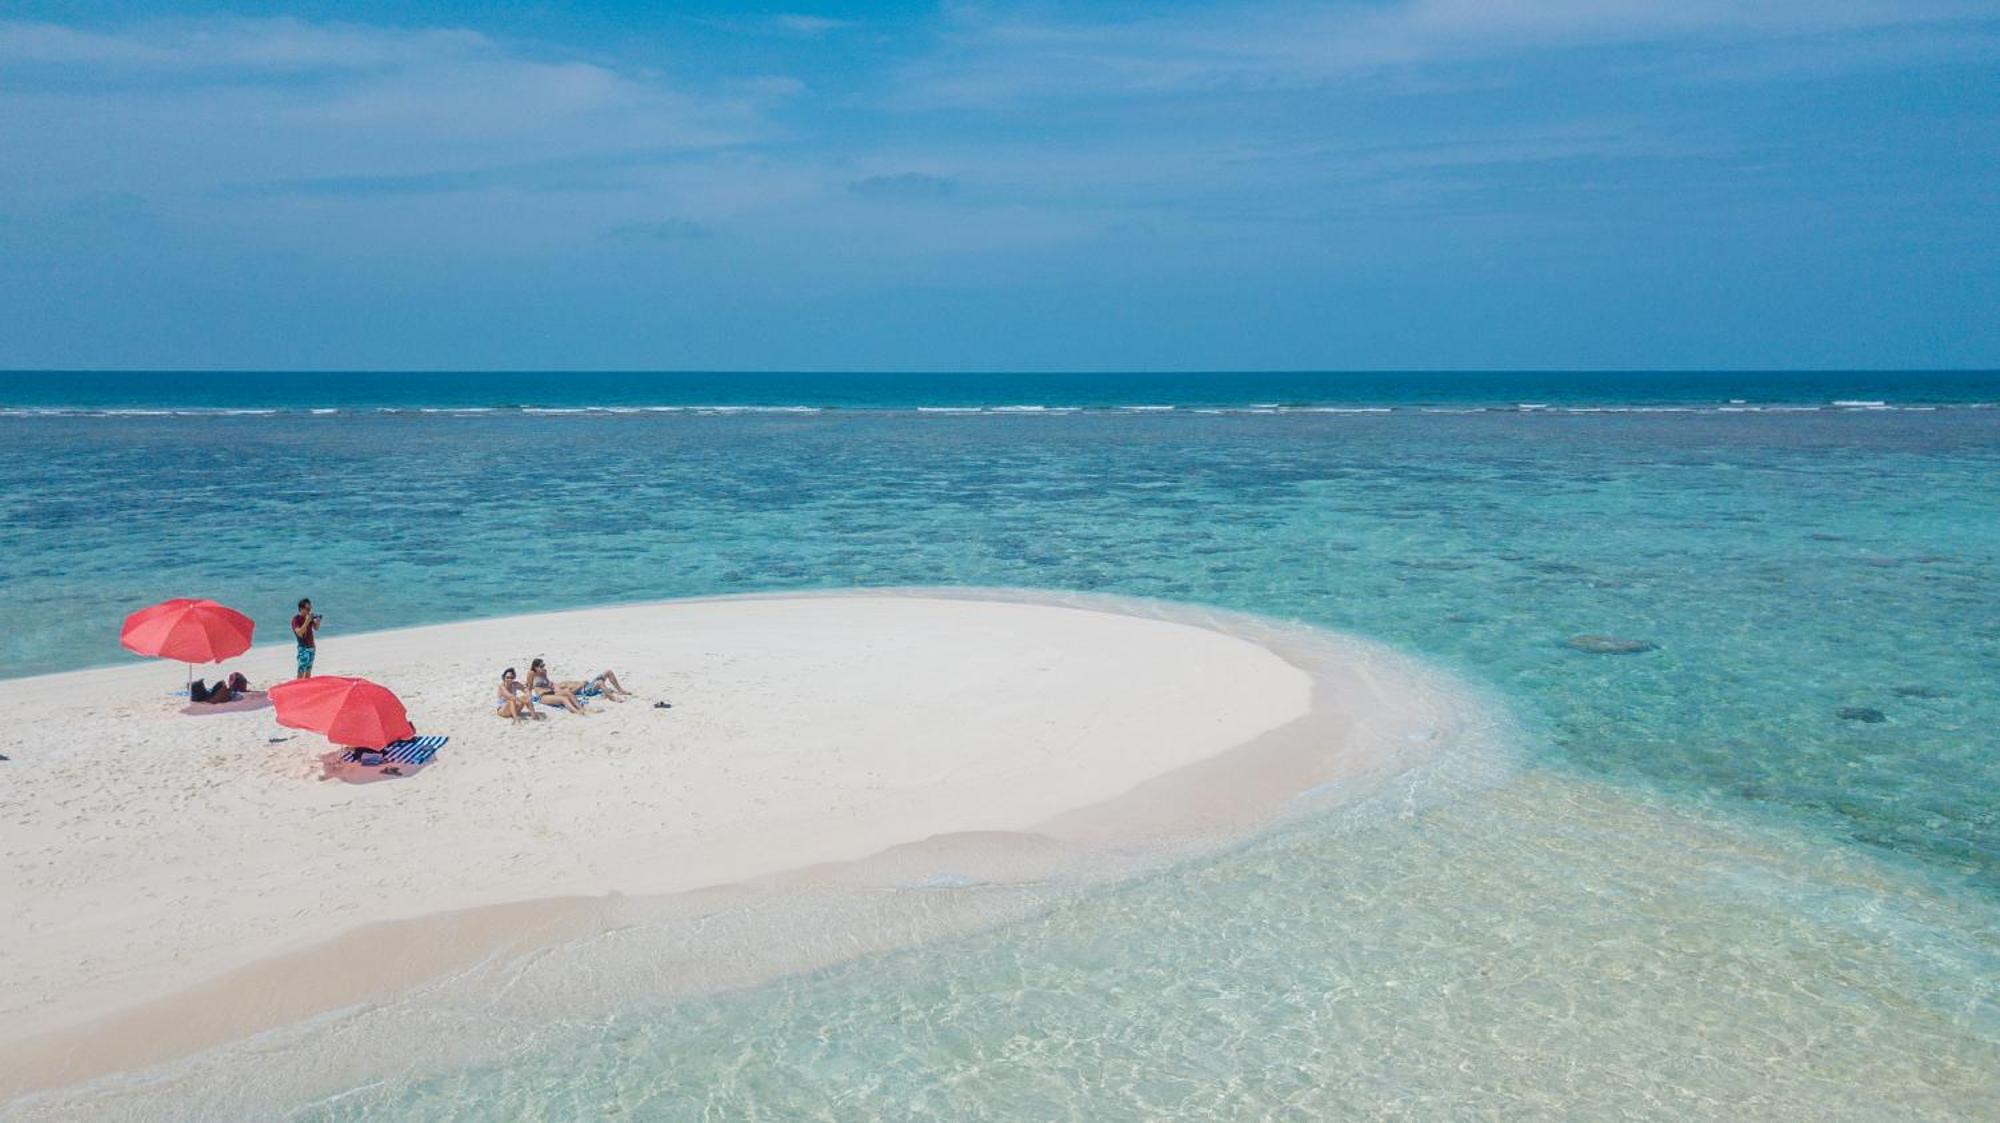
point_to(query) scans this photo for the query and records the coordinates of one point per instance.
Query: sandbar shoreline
(1142, 731)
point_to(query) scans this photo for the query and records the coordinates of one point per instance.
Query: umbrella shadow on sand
(251, 700)
(335, 765)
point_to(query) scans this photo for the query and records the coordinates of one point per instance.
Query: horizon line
(999, 371)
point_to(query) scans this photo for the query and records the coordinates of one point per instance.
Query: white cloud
(199, 108)
(805, 26)
(789, 25)
(248, 48)
(988, 57)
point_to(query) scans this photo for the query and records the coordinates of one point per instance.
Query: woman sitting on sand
(516, 701)
(550, 693)
(604, 683)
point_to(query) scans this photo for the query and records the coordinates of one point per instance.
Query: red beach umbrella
(350, 711)
(189, 631)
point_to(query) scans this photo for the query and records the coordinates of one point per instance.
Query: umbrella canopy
(350, 711)
(188, 631)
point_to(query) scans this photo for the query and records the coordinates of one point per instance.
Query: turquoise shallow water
(1704, 888)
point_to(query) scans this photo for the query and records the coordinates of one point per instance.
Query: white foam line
(754, 409)
(1848, 405)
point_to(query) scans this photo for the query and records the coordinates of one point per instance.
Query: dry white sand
(152, 852)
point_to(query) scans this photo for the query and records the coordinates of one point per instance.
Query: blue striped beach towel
(413, 751)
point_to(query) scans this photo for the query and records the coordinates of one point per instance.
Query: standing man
(303, 627)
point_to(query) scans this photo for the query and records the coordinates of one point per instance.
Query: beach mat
(413, 751)
(250, 700)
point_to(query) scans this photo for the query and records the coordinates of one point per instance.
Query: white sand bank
(155, 858)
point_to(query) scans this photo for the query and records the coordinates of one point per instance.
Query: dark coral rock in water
(1610, 645)
(1919, 691)
(1869, 714)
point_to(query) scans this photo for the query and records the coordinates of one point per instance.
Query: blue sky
(1425, 184)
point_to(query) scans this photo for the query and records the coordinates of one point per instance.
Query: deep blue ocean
(1752, 869)
(223, 390)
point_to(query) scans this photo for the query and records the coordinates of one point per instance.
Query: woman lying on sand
(516, 701)
(605, 683)
(228, 690)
